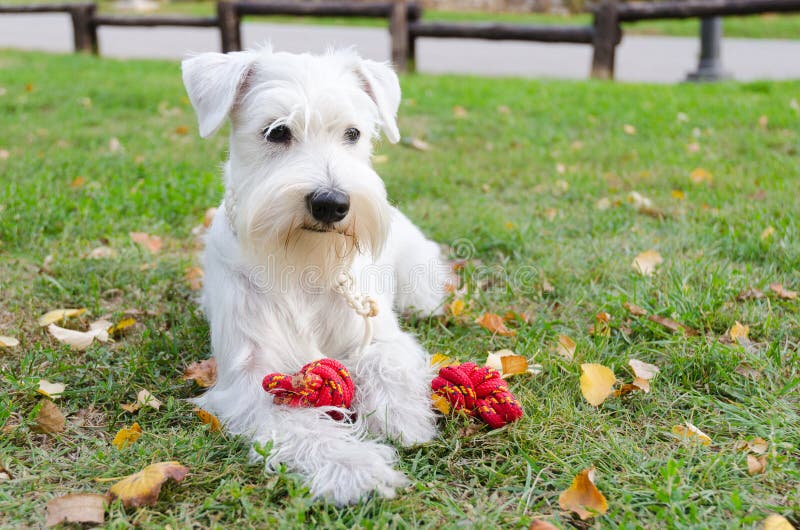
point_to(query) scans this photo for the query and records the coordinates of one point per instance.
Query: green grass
(490, 177)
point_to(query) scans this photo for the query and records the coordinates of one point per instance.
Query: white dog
(302, 204)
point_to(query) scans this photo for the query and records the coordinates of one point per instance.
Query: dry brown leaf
(4, 474)
(746, 370)
(495, 324)
(634, 309)
(49, 419)
(763, 121)
(419, 144)
(126, 436)
(150, 243)
(538, 524)
(508, 363)
(204, 372)
(142, 488)
(700, 176)
(750, 294)
(597, 383)
(77, 182)
(460, 112)
(601, 327)
(102, 252)
(691, 433)
(57, 315)
(76, 508)
(671, 324)
(756, 464)
(194, 277)
(777, 522)
(643, 372)
(51, 390)
(646, 262)
(547, 287)
(8, 342)
(456, 307)
(782, 293)
(566, 347)
(583, 497)
(209, 419)
(628, 388)
(145, 399)
(181, 129)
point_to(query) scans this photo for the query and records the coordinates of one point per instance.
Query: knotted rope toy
(480, 391)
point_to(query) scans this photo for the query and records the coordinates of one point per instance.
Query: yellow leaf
(181, 129)
(209, 419)
(77, 182)
(495, 324)
(646, 262)
(49, 419)
(634, 309)
(768, 231)
(678, 194)
(507, 363)
(122, 326)
(151, 243)
(583, 497)
(700, 175)
(142, 488)
(629, 129)
(739, 333)
(76, 508)
(57, 315)
(691, 433)
(456, 307)
(597, 383)
(785, 294)
(8, 342)
(538, 524)
(51, 390)
(756, 464)
(440, 403)
(204, 372)
(126, 436)
(566, 347)
(777, 522)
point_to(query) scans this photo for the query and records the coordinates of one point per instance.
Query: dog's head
(299, 182)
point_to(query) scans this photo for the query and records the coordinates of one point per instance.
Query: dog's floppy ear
(382, 85)
(213, 82)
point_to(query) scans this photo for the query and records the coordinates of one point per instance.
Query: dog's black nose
(328, 206)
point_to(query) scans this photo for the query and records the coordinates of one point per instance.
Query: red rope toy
(480, 391)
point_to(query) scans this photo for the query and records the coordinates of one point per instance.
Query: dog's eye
(279, 134)
(352, 135)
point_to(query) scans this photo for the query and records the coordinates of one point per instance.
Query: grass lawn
(536, 175)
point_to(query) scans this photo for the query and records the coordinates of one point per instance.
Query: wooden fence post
(411, 42)
(398, 30)
(84, 31)
(607, 34)
(230, 31)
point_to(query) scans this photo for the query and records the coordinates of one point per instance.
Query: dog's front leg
(393, 391)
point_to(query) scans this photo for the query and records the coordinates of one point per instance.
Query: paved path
(640, 58)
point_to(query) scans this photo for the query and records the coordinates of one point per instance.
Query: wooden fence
(405, 24)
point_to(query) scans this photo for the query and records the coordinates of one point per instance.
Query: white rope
(363, 305)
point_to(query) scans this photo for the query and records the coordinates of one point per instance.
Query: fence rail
(405, 26)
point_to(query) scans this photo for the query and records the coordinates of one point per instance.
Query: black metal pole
(710, 66)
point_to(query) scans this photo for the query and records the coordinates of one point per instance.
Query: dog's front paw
(409, 421)
(346, 479)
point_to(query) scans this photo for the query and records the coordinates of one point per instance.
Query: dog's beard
(280, 231)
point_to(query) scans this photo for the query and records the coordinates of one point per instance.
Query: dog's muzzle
(328, 206)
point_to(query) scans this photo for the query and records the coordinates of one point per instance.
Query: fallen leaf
(739, 333)
(208, 216)
(601, 326)
(380, 159)
(204, 372)
(76, 508)
(750, 294)
(763, 121)
(80, 340)
(678, 194)
(57, 315)
(51, 390)
(782, 293)
(49, 419)
(692, 434)
(603, 204)
(495, 324)
(756, 464)
(643, 205)
(4, 154)
(126, 436)
(4, 474)
(151, 243)
(671, 324)
(142, 488)
(419, 144)
(634, 309)
(777, 522)
(646, 262)
(456, 307)
(181, 129)
(626, 389)
(102, 252)
(460, 112)
(209, 419)
(194, 277)
(77, 182)
(122, 327)
(547, 287)
(507, 363)
(515, 316)
(538, 524)
(566, 347)
(643, 372)
(440, 403)
(597, 382)
(629, 129)
(8, 342)
(440, 360)
(583, 497)
(114, 145)
(746, 370)
(767, 233)
(700, 176)
(145, 399)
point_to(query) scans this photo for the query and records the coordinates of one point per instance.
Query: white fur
(267, 293)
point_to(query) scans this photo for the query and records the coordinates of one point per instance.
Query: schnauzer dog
(302, 204)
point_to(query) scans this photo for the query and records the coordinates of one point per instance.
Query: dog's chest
(331, 325)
